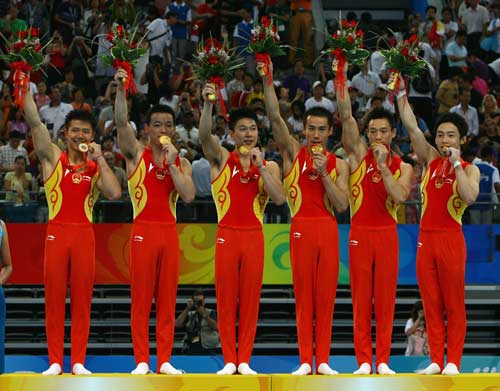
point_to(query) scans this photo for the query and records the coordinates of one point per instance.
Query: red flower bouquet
(213, 63)
(124, 53)
(265, 43)
(403, 59)
(25, 55)
(346, 44)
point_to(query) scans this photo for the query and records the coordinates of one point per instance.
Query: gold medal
(392, 84)
(164, 140)
(335, 64)
(212, 98)
(244, 150)
(160, 174)
(317, 148)
(76, 178)
(439, 183)
(83, 147)
(376, 177)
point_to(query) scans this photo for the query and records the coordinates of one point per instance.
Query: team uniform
(240, 199)
(69, 255)
(154, 256)
(373, 257)
(314, 254)
(441, 256)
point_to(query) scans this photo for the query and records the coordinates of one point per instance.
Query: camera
(198, 303)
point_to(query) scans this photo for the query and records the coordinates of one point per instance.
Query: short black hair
(159, 109)
(430, 7)
(456, 120)
(461, 33)
(106, 138)
(485, 151)
(80, 115)
(198, 292)
(380, 113)
(319, 112)
(238, 114)
(21, 157)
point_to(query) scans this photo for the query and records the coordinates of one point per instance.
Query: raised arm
(286, 143)
(351, 139)
(421, 146)
(128, 143)
(45, 150)
(210, 143)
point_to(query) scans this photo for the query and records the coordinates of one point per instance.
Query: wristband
(457, 164)
(98, 156)
(401, 94)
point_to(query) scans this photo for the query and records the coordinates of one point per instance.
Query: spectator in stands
(236, 84)
(10, 23)
(301, 27)
(256, 92)
(5, 272)
(241, 38)
(296, 120)
(18, 183)
(318, 98)
(456, 51)
(239, 97)
(187, 130)
(168, 98)
(416, 336)
(54, 114)
(200, 322)
(489, 187)
(66, 87)
(17, 122)
(447, 93)
(123, 10)
(79, 101)
(181, 45)
(366, 82)
(36, 14)
(41, 97)
(450, 26)
(297, 81)
(489, 108)
(468, 112)
(403, 138)
(382, 93)
(10, 151)
(475, 18)
(119, 172)
(67, 17)
(160, 36)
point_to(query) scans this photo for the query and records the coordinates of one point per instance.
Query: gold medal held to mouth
(83, 147)
(244, 150)
(164, 140)
(317, 148)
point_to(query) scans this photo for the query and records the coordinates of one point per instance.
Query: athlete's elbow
(115, 194)
(342, 207)
(188, 197)
(280, 200)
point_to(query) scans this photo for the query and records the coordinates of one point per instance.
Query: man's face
(20, 165)
(431, 14)
(78, 132)
(448, 135)
(299, 68)
(317, 130)
(247, 82)
(245, 132)
(188, 120)
(199, 299)
(14, 142)
(379, 131)
(465, 97)
(55, 95)
(110, 158)
(159, 125)
(318, 92)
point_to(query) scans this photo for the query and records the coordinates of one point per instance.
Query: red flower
(212, 60)
(216, 80)
(413, 59)
(274, 28)
(37, 47)
(22, 34)
(212, 42)
(132, 45)
(405, 51)
(338, 53)
(335, 36)
(34, 32)
(110, 37)
(120, 31)
(413, 38)
(359, 33)
(350, 39)
(266, 22)
(353, 24)
(344, 23)
(18, 46)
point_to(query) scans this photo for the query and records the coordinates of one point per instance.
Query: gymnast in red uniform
(449, 184)
(73, 180)
(242, 183)
(156, 178)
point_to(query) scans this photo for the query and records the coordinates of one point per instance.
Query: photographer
(201, 326)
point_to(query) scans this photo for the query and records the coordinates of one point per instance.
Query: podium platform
(200, 382)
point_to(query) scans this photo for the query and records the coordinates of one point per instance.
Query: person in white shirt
(54, 114)
(376, 59)
(475, 18)
(456, 51)
(467, 111)
(382, 93)
(187, 132)
(494, 27)
(450, 27)
(366, 82)
(318, 99)
(160, 36)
